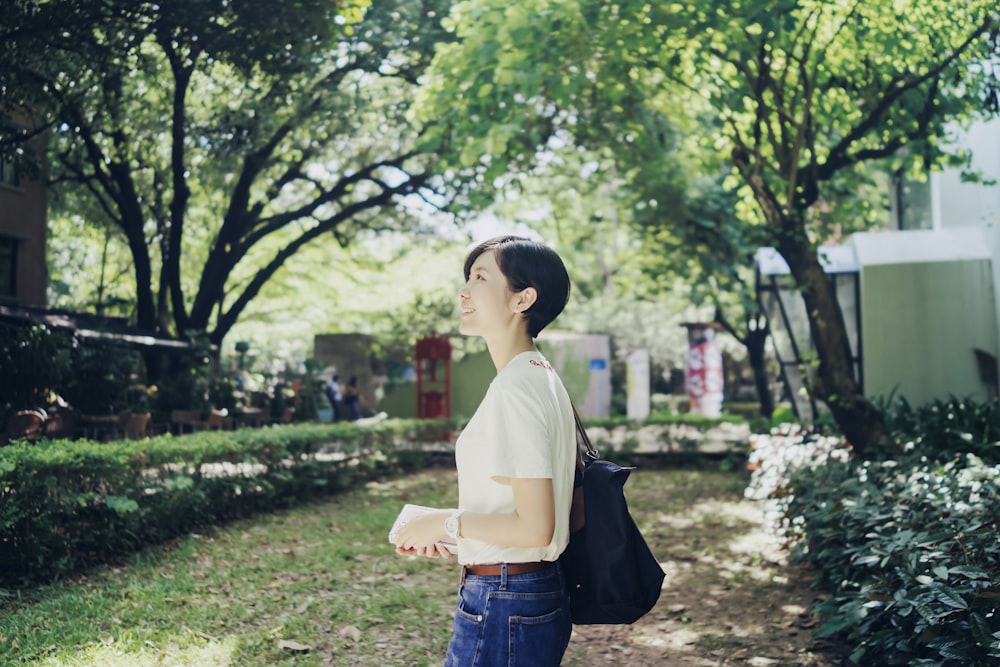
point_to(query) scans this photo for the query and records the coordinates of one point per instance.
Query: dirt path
(731, 597)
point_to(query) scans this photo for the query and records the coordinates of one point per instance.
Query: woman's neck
(502, 351)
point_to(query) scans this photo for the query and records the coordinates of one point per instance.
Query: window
(8, 171)
(910, 203)
(8, 267)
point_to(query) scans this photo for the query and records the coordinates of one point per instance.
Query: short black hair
(526, 263)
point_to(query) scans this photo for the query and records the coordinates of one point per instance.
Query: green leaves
(215, 140)
(68, 504)
(909, 548)
(121, 504)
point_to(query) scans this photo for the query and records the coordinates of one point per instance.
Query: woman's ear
(525, 299)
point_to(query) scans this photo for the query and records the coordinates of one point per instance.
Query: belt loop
(461, 581)
(503, 576)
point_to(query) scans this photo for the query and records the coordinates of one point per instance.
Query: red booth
(433, 357)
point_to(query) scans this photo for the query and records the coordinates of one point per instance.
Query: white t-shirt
(524, 428)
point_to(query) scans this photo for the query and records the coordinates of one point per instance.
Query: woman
(515, 461)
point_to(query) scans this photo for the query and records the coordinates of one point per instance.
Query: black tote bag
(612, 575)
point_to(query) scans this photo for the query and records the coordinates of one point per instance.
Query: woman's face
(485, 299)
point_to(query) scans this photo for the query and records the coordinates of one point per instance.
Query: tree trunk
(756, 343)
(834, 381)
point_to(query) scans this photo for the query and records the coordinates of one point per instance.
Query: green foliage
(212, 142)
(38, 364)
(426, 315)
(946, 428)
(803, 93)
(795, 102)
(910, 547)
(191, 381)
(662, 418)
(746, 410)
(783, 414)
(393, 287)
(912, 551)
(98, 379)
(68, 504)
(34, 361)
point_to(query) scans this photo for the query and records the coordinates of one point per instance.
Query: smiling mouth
(466, 311)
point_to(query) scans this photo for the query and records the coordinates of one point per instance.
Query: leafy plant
(909, 547)
(912, 551)
(945, 427)
(34, 361)
(66, 504)
(99, 377)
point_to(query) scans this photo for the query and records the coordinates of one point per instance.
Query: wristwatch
(452, 525)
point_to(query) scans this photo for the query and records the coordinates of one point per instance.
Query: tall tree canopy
(804, 93)
(220, 137)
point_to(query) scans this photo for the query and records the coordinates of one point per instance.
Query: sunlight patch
(109, 654)
(681, 638)
(651, 640)
(720, 512)
(747, 631)
(758, 543)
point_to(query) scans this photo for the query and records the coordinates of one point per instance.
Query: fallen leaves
(350, 632)
(293, 646)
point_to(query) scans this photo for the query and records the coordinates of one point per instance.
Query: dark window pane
(8, 172)
(8, 267)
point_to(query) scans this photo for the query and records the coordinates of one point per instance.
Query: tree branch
(230, 316)
(840, 156)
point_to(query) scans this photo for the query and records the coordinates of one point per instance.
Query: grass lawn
(317, 585)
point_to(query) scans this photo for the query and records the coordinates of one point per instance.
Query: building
(23, 269)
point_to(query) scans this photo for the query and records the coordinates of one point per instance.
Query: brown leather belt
(512, 568)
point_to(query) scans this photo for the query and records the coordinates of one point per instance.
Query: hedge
(68, 504)
(909, 548)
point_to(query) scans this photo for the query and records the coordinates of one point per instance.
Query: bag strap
(591, 452)
(577, 517)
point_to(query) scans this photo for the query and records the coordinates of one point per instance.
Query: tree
(220, 138)
(700, 242)
(807, 94)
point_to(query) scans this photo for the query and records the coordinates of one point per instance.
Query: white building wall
(959, 204)
(928, 301)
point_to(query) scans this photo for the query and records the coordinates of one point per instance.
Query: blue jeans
(518, 620)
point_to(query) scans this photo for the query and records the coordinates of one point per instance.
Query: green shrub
(912, 552)
(662, 418)
(746, 410)
(945, 428)
(909, 547)
(33, 362)
(68, 504)
(99, 378)
(783, 414)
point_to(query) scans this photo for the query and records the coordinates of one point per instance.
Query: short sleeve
(519, 427)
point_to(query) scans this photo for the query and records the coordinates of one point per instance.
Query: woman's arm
(531, 525)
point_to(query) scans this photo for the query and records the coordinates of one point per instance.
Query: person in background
(334, 395)
(516, 460)
(352, 399)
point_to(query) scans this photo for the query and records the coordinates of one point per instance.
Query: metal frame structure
(779, 299)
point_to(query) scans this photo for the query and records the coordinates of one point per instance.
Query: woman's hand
(434, 551)
(420, 535)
